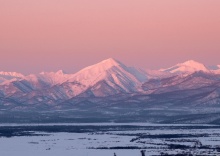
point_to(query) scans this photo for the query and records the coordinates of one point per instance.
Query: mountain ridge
(112, 61)
(110, 78)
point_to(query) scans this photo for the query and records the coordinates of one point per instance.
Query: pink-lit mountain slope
(186, 67)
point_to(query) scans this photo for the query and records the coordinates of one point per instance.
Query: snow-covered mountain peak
(111, 61)
(110, 74)
(60, 72)
(186, 67)
(194, 64)
(12, 74)
(103, 65)
(53, 77)
(97, 70)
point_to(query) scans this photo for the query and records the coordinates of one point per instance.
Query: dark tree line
(142, 153)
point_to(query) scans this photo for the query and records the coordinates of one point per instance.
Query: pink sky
(47, 35)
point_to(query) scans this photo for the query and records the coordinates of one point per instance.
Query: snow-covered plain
(105, 140)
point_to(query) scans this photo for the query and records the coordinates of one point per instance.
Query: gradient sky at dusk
(48, 35)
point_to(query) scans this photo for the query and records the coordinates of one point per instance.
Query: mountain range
(109, 83)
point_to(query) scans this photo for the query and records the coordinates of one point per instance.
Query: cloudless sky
(48, 35)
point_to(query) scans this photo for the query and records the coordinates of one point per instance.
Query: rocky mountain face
(110, 83)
